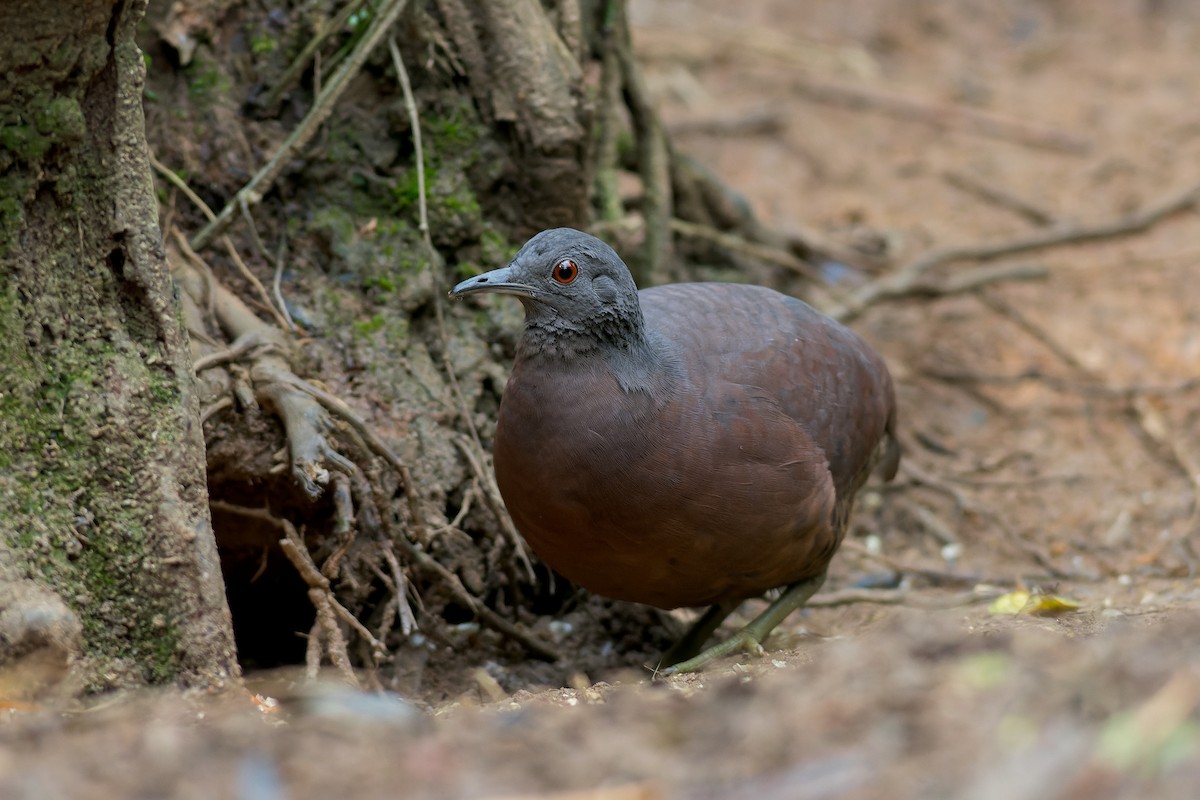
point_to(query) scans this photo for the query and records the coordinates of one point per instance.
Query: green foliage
(495, 249)
(206, 81)
(368, 326)
(262, 44)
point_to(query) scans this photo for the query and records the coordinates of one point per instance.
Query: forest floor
(1052, 442)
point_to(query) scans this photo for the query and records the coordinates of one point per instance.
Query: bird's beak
(498, 281)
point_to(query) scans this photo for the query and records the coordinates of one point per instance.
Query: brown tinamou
(684, 445)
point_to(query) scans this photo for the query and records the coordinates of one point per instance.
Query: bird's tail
(887, 453)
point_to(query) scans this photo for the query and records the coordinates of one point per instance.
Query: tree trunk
(103, 496)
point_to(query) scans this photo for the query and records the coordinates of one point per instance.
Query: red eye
(565, 271)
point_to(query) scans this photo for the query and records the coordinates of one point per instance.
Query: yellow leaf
(1041, 605)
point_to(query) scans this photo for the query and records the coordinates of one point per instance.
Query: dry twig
(760, 252)
(891, 597)
(262, 181)
(297, 67)
(226, 242)
(486, 615)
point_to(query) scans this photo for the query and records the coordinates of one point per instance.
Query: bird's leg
(693, 640)
(750, 638)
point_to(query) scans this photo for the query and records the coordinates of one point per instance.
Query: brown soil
(1017, 447)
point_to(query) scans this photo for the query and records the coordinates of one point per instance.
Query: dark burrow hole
(272, 614)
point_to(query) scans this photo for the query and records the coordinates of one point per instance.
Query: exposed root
(332, 450)
(653, 154)
(607, 159)
(324, 601)
(426, 563)
(490, 493)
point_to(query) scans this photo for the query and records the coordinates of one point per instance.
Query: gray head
(577, 292)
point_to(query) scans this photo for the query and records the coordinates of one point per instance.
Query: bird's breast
(688, 498)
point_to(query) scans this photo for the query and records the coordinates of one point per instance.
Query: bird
(685, 445)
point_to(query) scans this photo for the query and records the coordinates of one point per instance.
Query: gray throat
(640, 362)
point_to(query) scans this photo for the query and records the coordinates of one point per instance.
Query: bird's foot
(750, 638)
(742, 641)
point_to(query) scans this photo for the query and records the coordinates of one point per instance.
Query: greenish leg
(693, 641)
(750, 638)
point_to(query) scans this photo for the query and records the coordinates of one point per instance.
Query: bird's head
(577, 292)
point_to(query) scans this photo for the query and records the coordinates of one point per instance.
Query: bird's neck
(550, 336)
(619, 345)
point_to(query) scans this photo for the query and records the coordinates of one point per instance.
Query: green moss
(406, 191)
(452, 132)
(24, 141)
(380, 283)
(29, 136)
(81, 459)
(368, 326)
(386, 334)
(207, 83)
(60, 119)
(12, 211)
(28, 133)
(495, 248)
(262, 43)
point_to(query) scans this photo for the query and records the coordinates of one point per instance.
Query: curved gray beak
(498, 281)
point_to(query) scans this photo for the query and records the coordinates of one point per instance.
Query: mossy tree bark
(103, 496)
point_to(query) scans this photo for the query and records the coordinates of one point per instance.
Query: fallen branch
(1064, 386)
(941, 115)
(899, 282)
(999, 197)
(759, 122)
(701, 198)
(1153, 427)
(963, 282)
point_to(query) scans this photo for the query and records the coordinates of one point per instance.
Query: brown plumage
(683, 445)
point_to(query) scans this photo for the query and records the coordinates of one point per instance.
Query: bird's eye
(565, 271)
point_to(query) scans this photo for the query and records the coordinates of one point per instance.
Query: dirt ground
(1050, 432)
